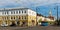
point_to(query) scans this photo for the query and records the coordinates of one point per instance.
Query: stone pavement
(31, 28)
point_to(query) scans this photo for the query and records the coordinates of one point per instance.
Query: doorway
(18, 23)
(13, 23)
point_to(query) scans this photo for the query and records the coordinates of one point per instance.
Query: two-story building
(17, 16)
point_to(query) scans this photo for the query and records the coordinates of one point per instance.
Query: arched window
(7, 17)
(33, 21)
(14, 17)
(11, 17)
(22, 17)
(25, 17)
(19, 17)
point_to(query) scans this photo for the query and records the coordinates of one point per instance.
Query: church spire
(50, 13)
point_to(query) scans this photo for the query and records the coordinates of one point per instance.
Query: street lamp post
(36, 16)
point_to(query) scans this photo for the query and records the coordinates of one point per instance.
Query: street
(31, 28)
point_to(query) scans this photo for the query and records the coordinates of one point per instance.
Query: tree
(57, 22)
(40, 20)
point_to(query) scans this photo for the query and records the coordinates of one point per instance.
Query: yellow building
(17, 16)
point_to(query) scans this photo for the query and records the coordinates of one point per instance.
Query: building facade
(17, 16)
(41, 18)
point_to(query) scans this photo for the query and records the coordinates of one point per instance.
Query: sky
(42, 6)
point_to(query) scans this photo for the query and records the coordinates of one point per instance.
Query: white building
(21, 15)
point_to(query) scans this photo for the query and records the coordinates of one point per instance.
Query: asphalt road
(31, 28)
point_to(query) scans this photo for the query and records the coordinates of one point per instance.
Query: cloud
(27, 3)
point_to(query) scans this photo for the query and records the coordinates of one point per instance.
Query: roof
(13, 8)
(39, 14)
(51, 17)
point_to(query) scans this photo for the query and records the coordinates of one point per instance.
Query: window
(11, 17)
(22, 17)
(16, 12)
(25, 17)
(7, 17)
(19, 12)
(19, 17)
(14, 17)
(25, 12)
(6, 22)
(7, 12)
(22, 11)
(11, 12)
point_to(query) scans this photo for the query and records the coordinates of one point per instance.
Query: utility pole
(57, 21)
(57, 12)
